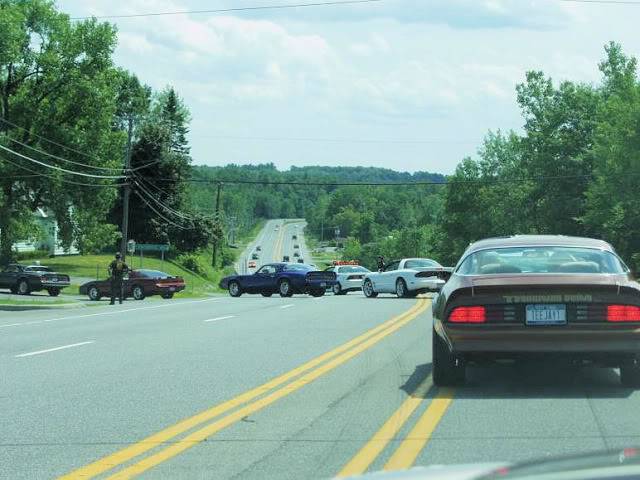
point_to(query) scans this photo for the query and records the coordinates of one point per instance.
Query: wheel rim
(137, 293)
(336, 288)
(368, 289)
(284, 287)
(23, 287)
(93, 293)
(233, 288)
(400, 289)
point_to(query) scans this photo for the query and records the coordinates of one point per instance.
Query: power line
(54, 167)
(338, 140)
(167, 208)
(80, 164)
(159, 214)
(72, 182)
(230, 10)
(48, 140)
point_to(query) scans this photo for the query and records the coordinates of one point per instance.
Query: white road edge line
(39, 352)
(219, 318)
(287, 305)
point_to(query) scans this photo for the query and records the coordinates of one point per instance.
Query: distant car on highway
(258, 248)
(294, 237)
(296, 254)
(406, 278)
(24, 279)
(282, 278)
(139, 284)
(349, 277)
(254, 256)
(538, 296)
(252, 264)
(285, 258)
(300, 260)
(295, 245)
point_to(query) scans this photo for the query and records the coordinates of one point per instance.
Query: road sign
(152, 247)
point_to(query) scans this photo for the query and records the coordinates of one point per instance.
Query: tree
(56, 83)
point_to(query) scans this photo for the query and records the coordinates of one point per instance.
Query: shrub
(192, 262)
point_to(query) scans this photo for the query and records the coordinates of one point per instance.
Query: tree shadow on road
(544, 379)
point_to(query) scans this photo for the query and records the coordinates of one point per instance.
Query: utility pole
(217, 217)
(127, 192)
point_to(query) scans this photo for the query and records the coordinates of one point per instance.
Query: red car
(139, 284)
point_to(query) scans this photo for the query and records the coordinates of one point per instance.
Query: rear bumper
(54, 284)
(428, 284)
(570, 339)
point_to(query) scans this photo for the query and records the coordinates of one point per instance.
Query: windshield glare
(420, 263)
(353, 269)
(544, 259)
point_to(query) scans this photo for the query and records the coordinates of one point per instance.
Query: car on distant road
(406, 278)
(24, 279)
(296, 254)
(538, 297)
(300, 260)
(285, 258)
(252, 264)
(295, 245)
(285, 279)
(138, 284)
(258, 248)
(294, 237)
(349, 277)
(254, 256)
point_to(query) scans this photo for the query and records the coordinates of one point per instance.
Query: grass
(321, 259)
(35, 302)
(95, 266)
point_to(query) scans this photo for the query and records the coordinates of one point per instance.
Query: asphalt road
(286, 388)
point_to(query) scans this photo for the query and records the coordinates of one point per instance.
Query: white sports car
(348, 278)
(406, 278)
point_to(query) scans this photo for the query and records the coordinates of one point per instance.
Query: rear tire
(167, 296)
(284, 288)
(447, 371)
(367, 289)
(53, 292)
(234, 289)
(266, 294)
(630, 375)
(138, 292)
(316, 292)
(337, 290)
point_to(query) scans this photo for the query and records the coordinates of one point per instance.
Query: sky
(412, 85)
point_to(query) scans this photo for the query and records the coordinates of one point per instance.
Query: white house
(50, 242)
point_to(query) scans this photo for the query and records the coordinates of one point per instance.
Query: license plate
(172, 289)
(323, 284)
(546, 314)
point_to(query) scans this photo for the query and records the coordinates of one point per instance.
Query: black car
(24, 279)
(296, 254)
(300, 260)
(538, 297)
(258, 248)
(296, 245)
(285, 258)
(294, 236)
(254, 256)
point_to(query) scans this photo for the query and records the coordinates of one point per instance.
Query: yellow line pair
(411, 446)
(296, 378)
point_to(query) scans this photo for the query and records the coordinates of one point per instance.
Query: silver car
(348, 278)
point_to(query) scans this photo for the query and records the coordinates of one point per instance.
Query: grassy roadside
(36, 302)
(321, 259)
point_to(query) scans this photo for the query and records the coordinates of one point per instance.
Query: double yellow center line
(207, 423)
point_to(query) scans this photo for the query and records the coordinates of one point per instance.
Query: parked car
(138, 284)
(283, 278)
(349, 277)
(24, 279)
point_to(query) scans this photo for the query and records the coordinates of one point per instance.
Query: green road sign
(151, 247)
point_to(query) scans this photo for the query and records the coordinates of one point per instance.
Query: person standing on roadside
(380, 263)
(117, 271)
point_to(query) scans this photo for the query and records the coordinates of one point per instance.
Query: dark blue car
(283, 278)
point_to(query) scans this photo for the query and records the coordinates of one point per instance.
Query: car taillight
(623, 313)
(468, 315)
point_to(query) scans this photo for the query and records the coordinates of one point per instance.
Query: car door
(387, 279)
(263, 279)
